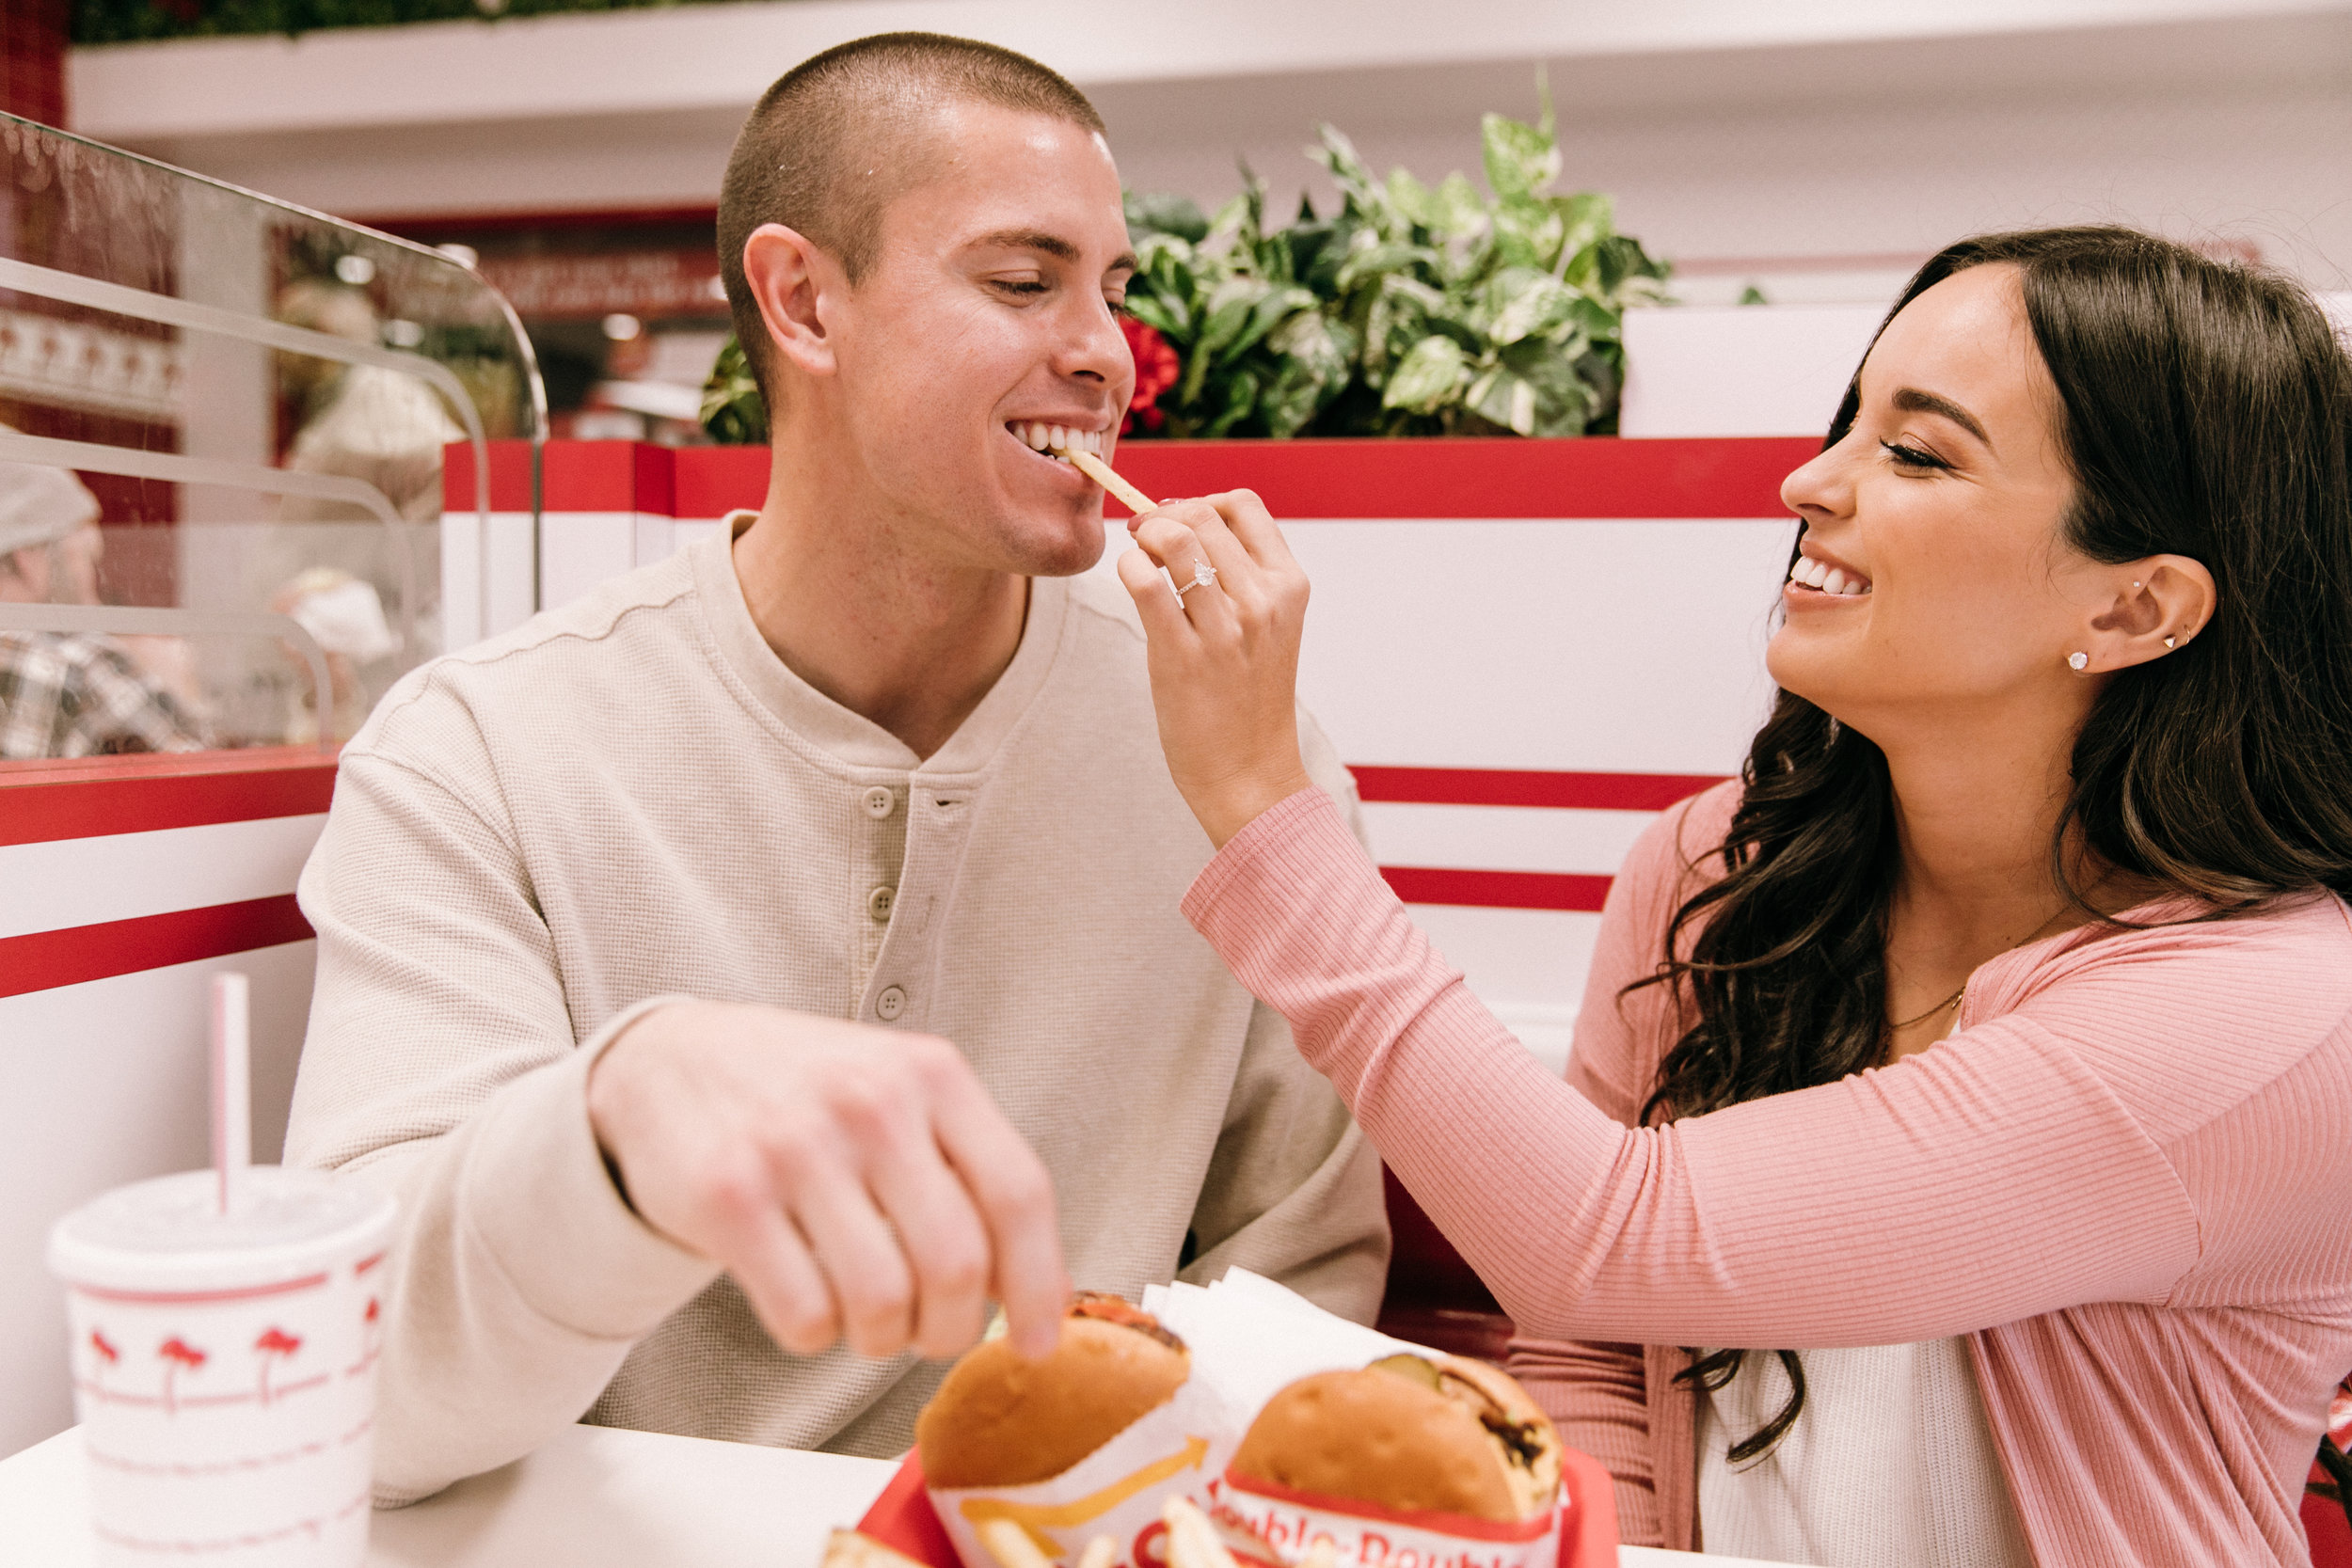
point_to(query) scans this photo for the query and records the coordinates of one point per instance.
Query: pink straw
(232, 1087)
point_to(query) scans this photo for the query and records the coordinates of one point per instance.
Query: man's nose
(1095, 348)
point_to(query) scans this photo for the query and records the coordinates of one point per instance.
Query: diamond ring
(1203, 575)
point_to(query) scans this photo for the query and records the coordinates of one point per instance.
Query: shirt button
(879, 802)
(890, 1003)
(878, 901)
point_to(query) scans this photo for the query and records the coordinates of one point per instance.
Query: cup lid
(168, 1235)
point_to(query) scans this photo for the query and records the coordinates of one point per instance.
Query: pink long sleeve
(2124, 1177)
(2018, 1168)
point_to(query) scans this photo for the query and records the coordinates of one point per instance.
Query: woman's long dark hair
(2207, 412)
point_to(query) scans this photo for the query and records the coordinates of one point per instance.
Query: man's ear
(794, 282)
(2168, 600)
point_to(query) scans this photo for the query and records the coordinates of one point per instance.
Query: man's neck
(863, 614)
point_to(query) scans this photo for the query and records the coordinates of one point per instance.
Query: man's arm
(441, 1065)
(849, 1177)
(1293, 1188)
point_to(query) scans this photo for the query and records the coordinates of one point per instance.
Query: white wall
(1731, 133)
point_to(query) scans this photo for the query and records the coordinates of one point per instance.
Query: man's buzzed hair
(829, 145)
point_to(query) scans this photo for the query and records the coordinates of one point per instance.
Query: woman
(1989, 1043)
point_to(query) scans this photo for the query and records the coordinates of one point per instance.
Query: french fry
(1107, 477)
(1101, 1553)
(847, 1548)
(1192, 1541)
(1010, 1545)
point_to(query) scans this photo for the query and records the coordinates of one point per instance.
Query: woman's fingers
(1246, 516)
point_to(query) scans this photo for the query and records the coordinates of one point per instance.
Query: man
(69, 694)
(643, 929)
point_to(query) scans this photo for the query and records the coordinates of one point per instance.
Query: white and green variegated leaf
(1461, 212)
(1502, 398)
(1428, 377)
(1523, 302)
(1381, 259)
(1584, 217)
(1521, 159)
(1414, 202)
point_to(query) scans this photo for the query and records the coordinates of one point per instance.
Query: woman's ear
(790, 277)
(2159, 605)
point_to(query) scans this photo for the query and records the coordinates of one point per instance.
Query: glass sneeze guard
(222, 420)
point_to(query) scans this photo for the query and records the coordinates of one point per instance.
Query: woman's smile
(1817, 578)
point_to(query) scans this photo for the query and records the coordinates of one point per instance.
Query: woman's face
(1935, 583)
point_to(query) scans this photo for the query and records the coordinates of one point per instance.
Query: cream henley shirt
(631, 799)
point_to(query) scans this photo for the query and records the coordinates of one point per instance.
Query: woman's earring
(2077, 661)
(2167, 642)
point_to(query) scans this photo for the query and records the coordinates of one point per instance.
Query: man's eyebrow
(1912, 401)
(1045, 244)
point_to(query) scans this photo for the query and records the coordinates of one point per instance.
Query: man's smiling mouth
(1052, 439)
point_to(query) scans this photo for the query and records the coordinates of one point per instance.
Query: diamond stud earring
(2077, 660)
(2167, 642)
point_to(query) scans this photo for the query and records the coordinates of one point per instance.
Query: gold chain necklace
(1922, 1018)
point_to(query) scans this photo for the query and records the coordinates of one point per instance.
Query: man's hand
(857, 1183)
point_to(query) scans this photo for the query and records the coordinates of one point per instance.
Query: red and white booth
(1524, 649)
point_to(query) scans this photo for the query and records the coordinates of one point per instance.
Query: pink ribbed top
(2127, 1176)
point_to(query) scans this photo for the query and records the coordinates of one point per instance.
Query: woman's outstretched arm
(1994, 1178)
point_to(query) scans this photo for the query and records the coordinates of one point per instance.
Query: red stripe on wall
(1497, 889)
(1504, 477)
(43, 960)
(1512, 787)
(42, 801)
(1475, 477)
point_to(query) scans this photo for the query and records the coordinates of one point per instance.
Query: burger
(1000, 1420)
(1418, 1434)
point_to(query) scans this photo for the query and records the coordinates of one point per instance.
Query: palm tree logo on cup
(177, 1354)
(273, 1344)
(102, 1356)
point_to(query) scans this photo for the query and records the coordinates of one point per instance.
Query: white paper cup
(224, 1368)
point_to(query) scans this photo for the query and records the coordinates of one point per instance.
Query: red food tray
(902, 1518)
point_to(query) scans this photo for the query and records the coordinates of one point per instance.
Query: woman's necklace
(1905, 1024)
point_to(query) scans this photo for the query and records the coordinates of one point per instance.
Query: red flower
(1156, 369)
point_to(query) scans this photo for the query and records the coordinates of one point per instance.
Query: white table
(594, 1497)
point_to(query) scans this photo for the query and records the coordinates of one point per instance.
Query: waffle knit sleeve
(441, 1065)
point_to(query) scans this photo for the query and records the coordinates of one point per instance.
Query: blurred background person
(73, 694)
(344, 615)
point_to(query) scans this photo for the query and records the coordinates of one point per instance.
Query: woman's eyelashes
(1907, 456)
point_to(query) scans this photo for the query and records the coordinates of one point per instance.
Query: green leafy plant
(1415, 310)
(136, 20)
(733, 414)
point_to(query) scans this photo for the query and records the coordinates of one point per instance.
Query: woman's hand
(1224, 656)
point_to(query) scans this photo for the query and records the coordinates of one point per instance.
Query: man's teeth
(1057, 439)
(1828, 579)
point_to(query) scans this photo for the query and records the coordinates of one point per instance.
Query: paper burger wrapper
(1118, 1490)
(1365, 1535)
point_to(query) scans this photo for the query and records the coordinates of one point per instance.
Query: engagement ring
(1203, 575)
